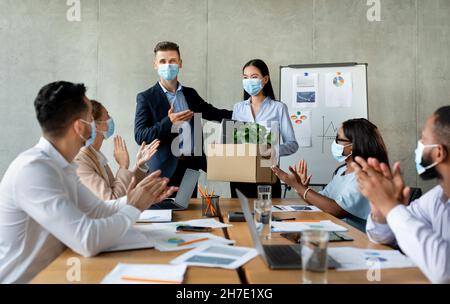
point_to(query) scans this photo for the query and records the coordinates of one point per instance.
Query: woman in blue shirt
(260, 106)
(341, 197)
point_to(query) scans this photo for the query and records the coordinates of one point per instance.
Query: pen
(279, 208)
(149, 280)
(193, 241)
(304, 221)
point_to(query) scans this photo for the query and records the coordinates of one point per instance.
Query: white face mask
(337, 150)
(89, 141)
(419, 157)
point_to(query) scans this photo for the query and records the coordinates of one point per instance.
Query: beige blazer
(101, 182)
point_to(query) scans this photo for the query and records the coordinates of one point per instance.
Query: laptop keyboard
(283, 255)
(290, 255)
(164, 205)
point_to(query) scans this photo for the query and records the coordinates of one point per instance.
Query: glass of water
(314, 256)
(263, 212)
(265, 192)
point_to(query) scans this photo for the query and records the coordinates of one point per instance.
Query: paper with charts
(145, 274)
(298, 226)
(351, 258)
(338, 90)
(301, 121)
(304, 90)
(222, 256)
(166, 240)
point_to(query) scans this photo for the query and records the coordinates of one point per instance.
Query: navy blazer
(152, 122)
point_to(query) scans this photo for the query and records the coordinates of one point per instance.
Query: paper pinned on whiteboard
(305, 90)
(338, 90)
(301, 120)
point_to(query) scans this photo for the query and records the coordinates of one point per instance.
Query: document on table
(145, 274)
(166, 240)
(155, 216)
(222, 256)
(209, 223)
(351, 258)
(133, 239)
(294, 208)
(298, 226)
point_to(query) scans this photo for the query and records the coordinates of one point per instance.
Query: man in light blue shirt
(168, 107)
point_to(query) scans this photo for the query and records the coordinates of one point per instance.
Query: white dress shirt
(44, 208)
(422, 230)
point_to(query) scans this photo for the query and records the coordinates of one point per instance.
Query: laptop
(184, 194)
(275, 256)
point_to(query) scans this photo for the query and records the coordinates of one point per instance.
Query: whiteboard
(325, 115)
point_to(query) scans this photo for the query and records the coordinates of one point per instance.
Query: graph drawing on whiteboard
(328, 132)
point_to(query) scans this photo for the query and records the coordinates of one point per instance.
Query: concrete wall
(111, 51)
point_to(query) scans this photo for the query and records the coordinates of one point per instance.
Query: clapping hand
(383, 187)
(292, 179)
(149, 191)
(146, 152)
(301, 173)
(121, 153)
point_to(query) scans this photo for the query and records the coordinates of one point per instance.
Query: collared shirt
(44, 208)
(269, 112)
(422, 230)
(343, 189)
(178, 101)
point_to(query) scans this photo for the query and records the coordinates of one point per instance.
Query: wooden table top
(94, 269)
(257, 272)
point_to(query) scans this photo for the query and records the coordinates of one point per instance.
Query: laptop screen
(187, 187)
(251, 224)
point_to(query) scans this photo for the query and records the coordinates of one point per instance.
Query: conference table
(94, 269)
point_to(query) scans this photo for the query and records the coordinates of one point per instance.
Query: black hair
(58, 104)
(262, 67)
(167, 46)
(366, 139)
(442, 126)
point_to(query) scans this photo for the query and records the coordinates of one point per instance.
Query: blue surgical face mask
(252, 86)
(111, 127)
(168, 71)
(421, 169)
(89, 141)
(337, 150)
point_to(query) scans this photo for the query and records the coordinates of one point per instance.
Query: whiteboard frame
(325, 65)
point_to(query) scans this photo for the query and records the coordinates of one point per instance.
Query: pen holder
(210, 205)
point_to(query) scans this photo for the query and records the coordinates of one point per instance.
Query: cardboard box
(239, 163)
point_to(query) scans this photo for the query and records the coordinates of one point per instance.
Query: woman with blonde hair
(93, 168)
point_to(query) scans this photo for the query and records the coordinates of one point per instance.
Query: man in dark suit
(169, 104)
